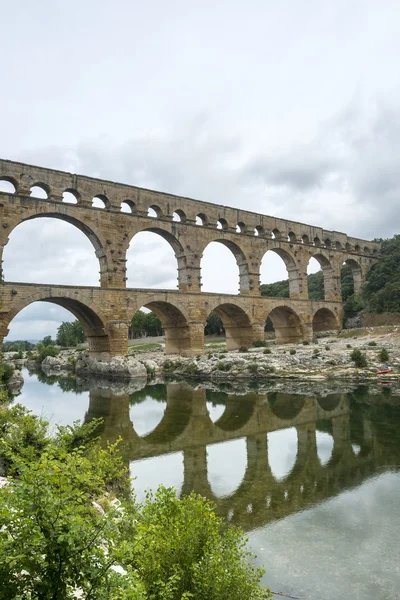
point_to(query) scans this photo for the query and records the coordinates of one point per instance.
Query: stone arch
(178, 334)
(237, 325)
(176, 246)
(40, 186)
(287, 325)
(357, 273)
(98, 245)
(100, 198)
(93, 320)
(128, 206)
(179, 216)
(330, 281)
(10, 181)
(222, 224)
(241, 261)
(285, 406)
(201, 219)
(295, 282)
(237, 413)
(176, 418)
(154, 208)
(325, 320)
(71, 196)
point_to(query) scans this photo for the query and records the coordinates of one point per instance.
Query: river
(313, 478)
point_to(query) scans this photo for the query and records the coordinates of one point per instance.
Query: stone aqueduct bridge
(189, 226)
(260, 497)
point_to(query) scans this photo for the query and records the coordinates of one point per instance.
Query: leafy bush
(306, 343)
(383, 355)
(292, 351)
(267, 351)
(221, 366)
(243, 349)
(359, 358)
(6, 372)
(372, 344)
(259, 344)
(55, 541)
(253, 368)
(191, 369)
(44, 351)
(348, 345)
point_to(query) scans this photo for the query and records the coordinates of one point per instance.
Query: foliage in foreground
(54, 540)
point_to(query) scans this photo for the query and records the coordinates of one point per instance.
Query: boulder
(119, 367)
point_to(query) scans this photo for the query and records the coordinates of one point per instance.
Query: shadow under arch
(91, 318)
(325, 320)
(287, 325)
(81, 226)
(291, 268)
(356, 272)
(241, 261)
(175, 325)
(237, 325)
(285, 406)
(329, 402)
(237, 413)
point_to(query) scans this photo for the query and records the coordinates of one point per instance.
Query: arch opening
(40, 190)
(201, 219)
(241, 227)
(315, 280)
(36, 318)
(222, 224)
(231, 262)
(8, 185)
(178, 337)
(128, 206)
(47, 259)
(153, 259)
(325, 443)
(287, 325)
(325, 287)
(227, 463)
(351, 277)
(324, 320)
(279, 275)
(179, 216)
(282, 452)
(237, 325)
(100, 201)
(154, 211)
(286, 406)
(70, 196)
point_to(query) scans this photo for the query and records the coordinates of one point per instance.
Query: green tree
(381, 291)
(70, 334)
(146, 323)
(47, 341)
(214, 325)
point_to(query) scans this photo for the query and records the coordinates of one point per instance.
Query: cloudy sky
(288, 108)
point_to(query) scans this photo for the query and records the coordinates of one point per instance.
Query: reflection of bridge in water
(187, 427)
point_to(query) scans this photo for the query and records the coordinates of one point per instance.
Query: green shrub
(253, 368)
(243, 349)
(306, 343)
(259, 344)
(44, 351)
(348, 345)
(191, 369)
(372, 344)
(359, 358)
(383, 355)
(292, 351)
(221, 366)
(267, 351)
(6, 371)
(327, 348)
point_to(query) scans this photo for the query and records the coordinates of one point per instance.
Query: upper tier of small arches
(92, 193)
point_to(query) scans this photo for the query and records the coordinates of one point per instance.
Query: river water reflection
(313, 478)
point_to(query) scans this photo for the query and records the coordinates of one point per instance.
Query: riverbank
(327, 358)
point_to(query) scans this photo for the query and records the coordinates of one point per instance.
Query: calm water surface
(312, 478)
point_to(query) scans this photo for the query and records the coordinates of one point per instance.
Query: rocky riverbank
(327, 358)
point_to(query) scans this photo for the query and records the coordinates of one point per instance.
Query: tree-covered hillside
(381, 291)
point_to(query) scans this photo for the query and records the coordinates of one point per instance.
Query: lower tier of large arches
(105, 315)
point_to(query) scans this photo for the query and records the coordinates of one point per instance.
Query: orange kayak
(383, 372)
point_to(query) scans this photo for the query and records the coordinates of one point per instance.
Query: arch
(241, 227)
(292, 237)
(100, 201)
(259, 231)
(227, 462)
(329, 402)
(238, 411)
(315, 280)
(128, 206)
(8, 185)
(285, 406)
(276, 234)
(222, 224)
(287, 325)
(146, 273)
(179, 215)
(91, 317)
(327, 243)
(324, 320)
(40, 190)
(356, 272)
(292, 272)
(338, 245)
(201, 219)
(282, 452)
(305, 239)
(85, 229)
(241, 263)
(324, 443)
(330, 286)
(154, 211)
(237, 325)
(317, 241)
(175, 324)
(71, 196)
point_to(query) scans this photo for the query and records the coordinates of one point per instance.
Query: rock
(15, 382)
(62, 362)
(119, 367)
